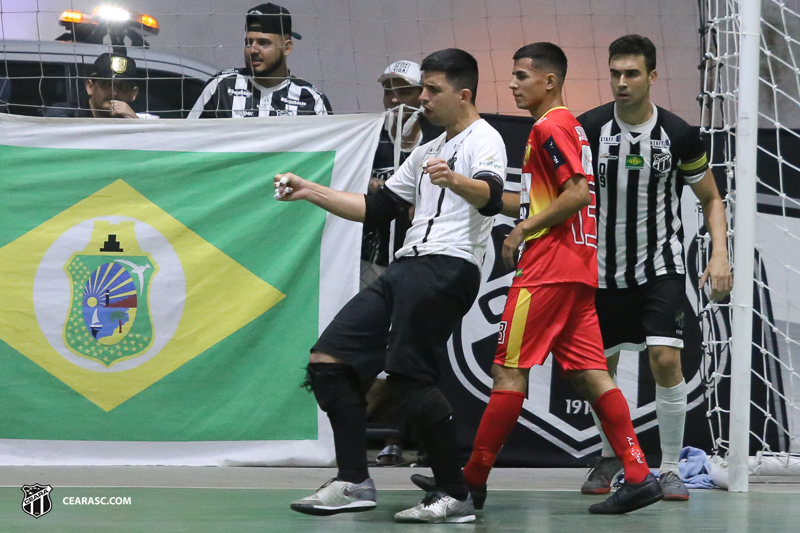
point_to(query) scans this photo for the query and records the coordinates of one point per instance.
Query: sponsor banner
(158, 304)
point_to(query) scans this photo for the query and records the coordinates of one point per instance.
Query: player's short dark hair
(634, 45)
(459, 67)
(545, 57)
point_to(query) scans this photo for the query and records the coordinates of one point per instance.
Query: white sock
(671, 413)
(608, 451)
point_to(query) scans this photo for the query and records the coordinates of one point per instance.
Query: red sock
(497, 422)
(615, 417)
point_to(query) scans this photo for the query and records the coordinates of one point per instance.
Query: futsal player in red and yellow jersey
(550, 306)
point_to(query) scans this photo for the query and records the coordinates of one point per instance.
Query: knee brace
(335, 385)
(420, 402)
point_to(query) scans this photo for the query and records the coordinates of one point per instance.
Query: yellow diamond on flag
(113, 294)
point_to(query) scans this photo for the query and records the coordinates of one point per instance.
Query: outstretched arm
(574, 196)
(348, 205)
(718, 268)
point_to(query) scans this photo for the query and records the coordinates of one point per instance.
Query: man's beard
(270, 69)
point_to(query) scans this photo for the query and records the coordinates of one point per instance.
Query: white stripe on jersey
(319, 104)
(208, 92)
(240, 101)
(294, 93)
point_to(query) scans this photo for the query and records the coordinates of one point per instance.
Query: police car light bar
(112, 15)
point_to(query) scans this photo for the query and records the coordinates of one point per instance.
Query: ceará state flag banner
(156, 303)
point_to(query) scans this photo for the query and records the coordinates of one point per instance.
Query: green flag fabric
(156, 303)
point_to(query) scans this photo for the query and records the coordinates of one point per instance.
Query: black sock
(349, 425)
(442, 446)
(339, 393)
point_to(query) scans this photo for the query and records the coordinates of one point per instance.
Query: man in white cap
(401, 91)
(402, 88)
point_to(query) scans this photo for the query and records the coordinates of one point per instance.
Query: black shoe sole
(632, 504)
(314, 511)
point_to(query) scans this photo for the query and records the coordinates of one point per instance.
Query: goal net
(774, 429)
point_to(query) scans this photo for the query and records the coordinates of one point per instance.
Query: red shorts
(558, 318)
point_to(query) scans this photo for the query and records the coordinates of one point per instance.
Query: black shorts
(653, 314)
(401, 323)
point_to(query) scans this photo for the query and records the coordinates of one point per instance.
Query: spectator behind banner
(401, 86)
(265, 87)
(111, 88)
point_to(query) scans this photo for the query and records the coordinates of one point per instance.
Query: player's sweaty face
(528, 85)
(264, 53)
(440, 100)
(630, 81)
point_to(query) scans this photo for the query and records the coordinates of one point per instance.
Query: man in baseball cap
(265, 87)
(111, 86)
(270, 18)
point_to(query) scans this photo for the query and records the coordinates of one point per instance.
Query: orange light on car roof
(73, 16)
(149, 21)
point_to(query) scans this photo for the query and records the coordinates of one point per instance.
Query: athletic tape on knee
(335, 386)
(420, 402)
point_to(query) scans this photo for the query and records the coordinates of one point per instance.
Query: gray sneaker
(439, 508)
(673, 487)
(338, 497)
(601, 476)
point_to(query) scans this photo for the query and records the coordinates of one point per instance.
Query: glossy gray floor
(257, 499)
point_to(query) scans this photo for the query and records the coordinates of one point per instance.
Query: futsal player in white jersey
(643, 155)
(455, 185)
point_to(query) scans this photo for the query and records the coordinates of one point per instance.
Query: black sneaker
(428, 484)
(631, 496)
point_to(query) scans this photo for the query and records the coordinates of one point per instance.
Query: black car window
(35, 85)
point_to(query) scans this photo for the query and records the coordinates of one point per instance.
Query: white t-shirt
(444, 222)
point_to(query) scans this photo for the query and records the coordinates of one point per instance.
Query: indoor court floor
(245, 499)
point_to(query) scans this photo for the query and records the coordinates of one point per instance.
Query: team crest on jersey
(553, 412)
(662, 162)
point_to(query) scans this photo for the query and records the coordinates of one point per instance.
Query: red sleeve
(564, 148)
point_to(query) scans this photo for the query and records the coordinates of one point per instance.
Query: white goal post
(751, 113)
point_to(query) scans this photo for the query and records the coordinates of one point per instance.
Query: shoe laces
(668, 476)
(431, 498)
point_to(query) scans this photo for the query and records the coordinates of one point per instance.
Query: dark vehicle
(41, 74)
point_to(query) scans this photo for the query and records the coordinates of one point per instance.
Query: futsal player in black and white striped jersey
(402, 321)
(265, 87)
(643, 155)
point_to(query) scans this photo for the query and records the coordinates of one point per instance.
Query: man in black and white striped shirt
(642, 157)
(265, 87)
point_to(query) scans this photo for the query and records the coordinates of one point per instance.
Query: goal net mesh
(775, 375)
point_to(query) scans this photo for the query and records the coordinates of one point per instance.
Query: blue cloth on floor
(695, 469)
